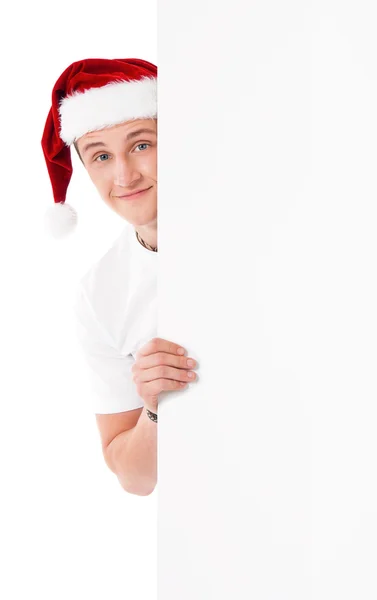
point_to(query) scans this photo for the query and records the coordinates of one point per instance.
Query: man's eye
(100, 157)
(143, 144)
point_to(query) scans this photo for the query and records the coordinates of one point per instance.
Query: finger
(158, 345)
(151, 389)
(163, 372)
(163, 358)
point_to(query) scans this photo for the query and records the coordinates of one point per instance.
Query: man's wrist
(152, 415)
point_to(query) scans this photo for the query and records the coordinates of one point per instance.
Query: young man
(108, 110)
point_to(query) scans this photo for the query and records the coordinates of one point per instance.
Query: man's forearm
(132, 456)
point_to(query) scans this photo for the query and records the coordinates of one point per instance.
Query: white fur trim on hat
(111, 104)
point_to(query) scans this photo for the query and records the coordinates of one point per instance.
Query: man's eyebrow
(137, 132)
(129, 136)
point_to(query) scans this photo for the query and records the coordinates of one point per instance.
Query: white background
(68, 529)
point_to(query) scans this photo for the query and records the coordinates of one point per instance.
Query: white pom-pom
(60, 220)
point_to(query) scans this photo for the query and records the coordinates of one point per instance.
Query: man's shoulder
(105, 271)
(107, 278)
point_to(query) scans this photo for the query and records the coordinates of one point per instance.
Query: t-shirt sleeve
(108, 371)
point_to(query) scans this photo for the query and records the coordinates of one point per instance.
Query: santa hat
(91, 94)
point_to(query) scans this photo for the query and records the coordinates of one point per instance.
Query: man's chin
(144, 217)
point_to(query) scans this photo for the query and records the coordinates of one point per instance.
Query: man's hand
(157, 368)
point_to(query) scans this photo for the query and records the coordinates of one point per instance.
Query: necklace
(147, 246)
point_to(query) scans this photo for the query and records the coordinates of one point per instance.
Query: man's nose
(124, 173)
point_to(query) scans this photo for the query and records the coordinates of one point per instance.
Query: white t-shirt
(116, 314)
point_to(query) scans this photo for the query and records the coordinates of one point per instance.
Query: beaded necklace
(147, 246)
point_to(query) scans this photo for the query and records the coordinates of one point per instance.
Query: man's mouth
(133, 195)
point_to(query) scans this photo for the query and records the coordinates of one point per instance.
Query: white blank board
(268, 251)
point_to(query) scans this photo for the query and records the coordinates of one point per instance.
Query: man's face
(121, 162)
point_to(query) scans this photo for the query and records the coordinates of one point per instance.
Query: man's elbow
(113, 465)
(137, 492)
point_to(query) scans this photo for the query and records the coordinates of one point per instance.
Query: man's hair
(77, 150)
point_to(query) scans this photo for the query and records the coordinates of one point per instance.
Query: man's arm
(132, 456)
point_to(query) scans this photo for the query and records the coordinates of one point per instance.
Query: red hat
(90, 95)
